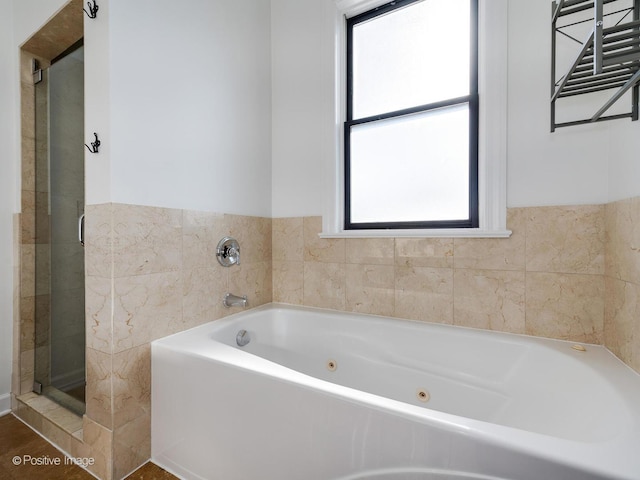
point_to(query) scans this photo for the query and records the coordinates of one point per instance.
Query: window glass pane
(412, 56)
(412, 168)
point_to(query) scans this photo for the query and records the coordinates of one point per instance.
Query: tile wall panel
(152, 272)
(546, 279)
(622, 281)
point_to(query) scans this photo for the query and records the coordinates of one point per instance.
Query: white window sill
(419, 233)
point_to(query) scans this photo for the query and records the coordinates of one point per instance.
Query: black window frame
(472, 100)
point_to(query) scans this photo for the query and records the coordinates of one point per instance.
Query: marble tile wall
(25, 235)
(79, 437)
(32, 237)
(622, 281)
(151, 272)
(547, 279)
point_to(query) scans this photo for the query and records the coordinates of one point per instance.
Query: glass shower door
(60, 313)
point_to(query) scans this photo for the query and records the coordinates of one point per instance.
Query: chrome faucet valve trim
(228, 252)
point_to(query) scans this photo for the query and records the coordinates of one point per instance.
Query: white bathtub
(323, 395)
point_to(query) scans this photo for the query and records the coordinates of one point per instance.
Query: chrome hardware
(242, 338)
(36, 71)
(228, 252)
(81, 229)
(231, 300)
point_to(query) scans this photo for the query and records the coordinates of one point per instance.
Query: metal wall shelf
(608, 59)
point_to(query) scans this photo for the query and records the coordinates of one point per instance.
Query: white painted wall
(565, 167)
(624, 160)
(296, 31)
(7, 200)
(190, 105)
(97, 106)
(577, 165)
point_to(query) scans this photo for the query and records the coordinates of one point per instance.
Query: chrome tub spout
(231, 300)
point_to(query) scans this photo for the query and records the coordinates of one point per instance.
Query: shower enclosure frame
(57, 423)
(59, 366)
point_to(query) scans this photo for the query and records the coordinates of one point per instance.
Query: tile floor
(17, 440)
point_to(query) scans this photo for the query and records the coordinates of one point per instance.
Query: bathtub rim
(522, 337)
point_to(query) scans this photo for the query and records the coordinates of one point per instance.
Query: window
(411, 129)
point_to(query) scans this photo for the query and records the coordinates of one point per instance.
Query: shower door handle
(81, 229)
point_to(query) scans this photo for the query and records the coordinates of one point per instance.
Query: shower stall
(59, 371)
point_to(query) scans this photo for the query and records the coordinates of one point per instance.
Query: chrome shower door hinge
(36, 71)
